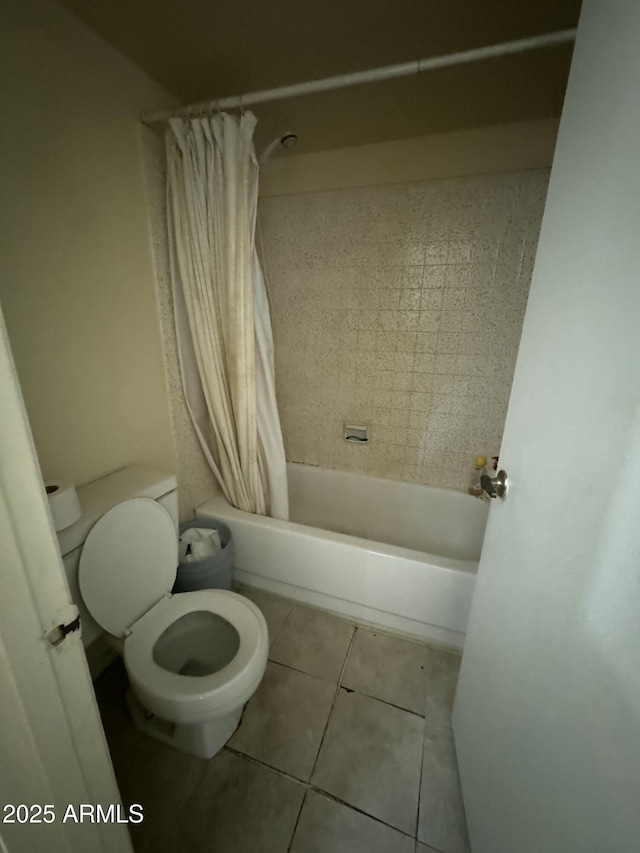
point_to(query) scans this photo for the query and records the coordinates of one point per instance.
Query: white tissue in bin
(204, 542)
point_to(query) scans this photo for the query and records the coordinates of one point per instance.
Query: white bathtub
(399, 555)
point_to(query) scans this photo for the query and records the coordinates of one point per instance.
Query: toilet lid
(128, 562)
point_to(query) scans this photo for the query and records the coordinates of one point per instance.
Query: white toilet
(193, 659)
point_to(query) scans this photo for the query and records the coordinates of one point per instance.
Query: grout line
(250, 758)
(241, 590)
(385, 702)
(346, 657)
(281, 628)
(335, 697)
(350, 689)
(295, 828)
(424, 734)
(309, 786)
(301, 671)
(353, 808)
(341, 686)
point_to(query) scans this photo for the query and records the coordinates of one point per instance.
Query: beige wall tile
(387, 302)
(427, 305)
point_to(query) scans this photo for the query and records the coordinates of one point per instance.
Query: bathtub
(399, 555)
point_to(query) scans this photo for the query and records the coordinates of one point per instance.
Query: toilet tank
(97, 498)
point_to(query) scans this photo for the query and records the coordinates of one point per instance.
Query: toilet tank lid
(98, 497)
(128, 563)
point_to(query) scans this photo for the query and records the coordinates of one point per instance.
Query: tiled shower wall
(400, 308)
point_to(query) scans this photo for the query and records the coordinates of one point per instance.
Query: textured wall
(401, 308)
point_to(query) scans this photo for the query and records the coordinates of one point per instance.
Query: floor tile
(284, 722)
(388, 668)
(422, 848)
(241, 807)
(159, 778)
(443, 672)
(371, 758)
(329, 827)
(441, 821)
(274, 609)
(313, 642)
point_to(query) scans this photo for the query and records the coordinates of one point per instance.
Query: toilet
(193, 659)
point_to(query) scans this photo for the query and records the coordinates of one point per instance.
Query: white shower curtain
(223, 325)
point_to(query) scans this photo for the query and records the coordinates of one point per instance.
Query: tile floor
(346, 747)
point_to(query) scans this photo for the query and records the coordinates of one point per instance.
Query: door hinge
(58, 634)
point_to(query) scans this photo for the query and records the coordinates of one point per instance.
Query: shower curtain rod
(359, 77)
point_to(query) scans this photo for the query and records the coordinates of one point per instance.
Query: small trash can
(213, 572)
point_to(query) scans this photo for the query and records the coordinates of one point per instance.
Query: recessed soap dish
(356, 434)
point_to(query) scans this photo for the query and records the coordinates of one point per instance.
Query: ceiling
(206, 49)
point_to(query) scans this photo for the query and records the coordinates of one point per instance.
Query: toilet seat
(128, 563)
(187, 699)
(127, 569)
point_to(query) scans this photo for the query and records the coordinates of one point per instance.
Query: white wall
(76, 287)
(547, 716)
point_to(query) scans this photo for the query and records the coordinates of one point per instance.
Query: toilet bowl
(193, 659)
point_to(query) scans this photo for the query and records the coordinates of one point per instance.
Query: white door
(52, 748)
(547, 716)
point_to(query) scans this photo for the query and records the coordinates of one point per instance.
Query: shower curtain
(223, 326)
